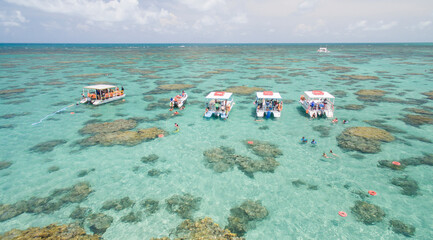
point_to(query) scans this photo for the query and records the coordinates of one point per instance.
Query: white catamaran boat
(100, 94)
(323, 50)
(179, 100)
(268, 103)
(318, 103)
(220, 104)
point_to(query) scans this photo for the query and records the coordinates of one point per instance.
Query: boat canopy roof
(268, 95)
(219, 95)
(100, 86)
(318, 94)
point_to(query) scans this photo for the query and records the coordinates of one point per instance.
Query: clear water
(294, 213)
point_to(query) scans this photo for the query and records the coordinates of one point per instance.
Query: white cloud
(97, 11)
(205, 21)
(203, 5)
(379, 26)
(307, 5)
(303, 28)
(240, 19)
(422, 25)
(14, 19)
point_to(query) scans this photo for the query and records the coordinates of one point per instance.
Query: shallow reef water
(123, 171)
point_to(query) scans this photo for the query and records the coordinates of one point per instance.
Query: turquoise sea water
(49, 75)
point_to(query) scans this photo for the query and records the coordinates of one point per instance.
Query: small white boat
(100, 94)
(268, 103)
(323, 50)
(318, 103)
(220, 104)
(179, 100)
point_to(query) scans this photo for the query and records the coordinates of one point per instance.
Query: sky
(215, 21)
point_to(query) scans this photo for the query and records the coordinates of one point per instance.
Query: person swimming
(335, 120)
(313, 142)
(345, 121)
(325, 156)
(330, 151)
(177, 127)
(304, 140)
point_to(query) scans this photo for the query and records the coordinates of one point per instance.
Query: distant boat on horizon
(323, 50)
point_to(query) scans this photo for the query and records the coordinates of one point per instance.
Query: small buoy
(372, 193)
(343, 214)
(396, 163)
(72, 113)
(250, 142)
(161, 135)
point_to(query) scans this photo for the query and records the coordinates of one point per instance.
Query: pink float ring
(250, 142)
(343, 214)
(396, 163)
(161, 135)
(372, 193)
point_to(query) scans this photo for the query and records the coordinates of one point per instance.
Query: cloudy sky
(215, 21)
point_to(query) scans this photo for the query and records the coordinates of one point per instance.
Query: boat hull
(112, 99)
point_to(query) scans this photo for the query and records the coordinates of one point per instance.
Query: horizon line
(211, 43)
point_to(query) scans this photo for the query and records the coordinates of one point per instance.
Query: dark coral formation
(263, 149)
(323, 130)
(53, 169)
(419, 111)
(5, 164)
(402, 228)
(47, 146)
(416, 120)
(408, 186)
(128, 138)
(380, 124)
(150, 206)
(220, 159)
(363, 139)
(426, 159)
(203, 228)
(54, 202)
(370, 95)
(108, 127)
(353, 107)
(80, 214)
(83, 173)
(150, 158)
(99, 222)
(183, 205)
(241, 216)
(131, 217)
(367, 213)
(223, 158)
(52, 231)
(117, 204)
(170, 87)
(429, 95)
(243, 90)
(13, 115)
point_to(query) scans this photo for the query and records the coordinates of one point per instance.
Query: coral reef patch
(117, 204)
(363, 139)
(243, 217)
(183, 205)
(400, 227)
(367, 213)
(52, 231)
(99, 222)
(243, 90)
(47, 146)
(408, 186)
(54, 202)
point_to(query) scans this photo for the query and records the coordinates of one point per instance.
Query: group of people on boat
(217, 105)
(316, 107)
(105, 93)
(175, 102)
(269, 105)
